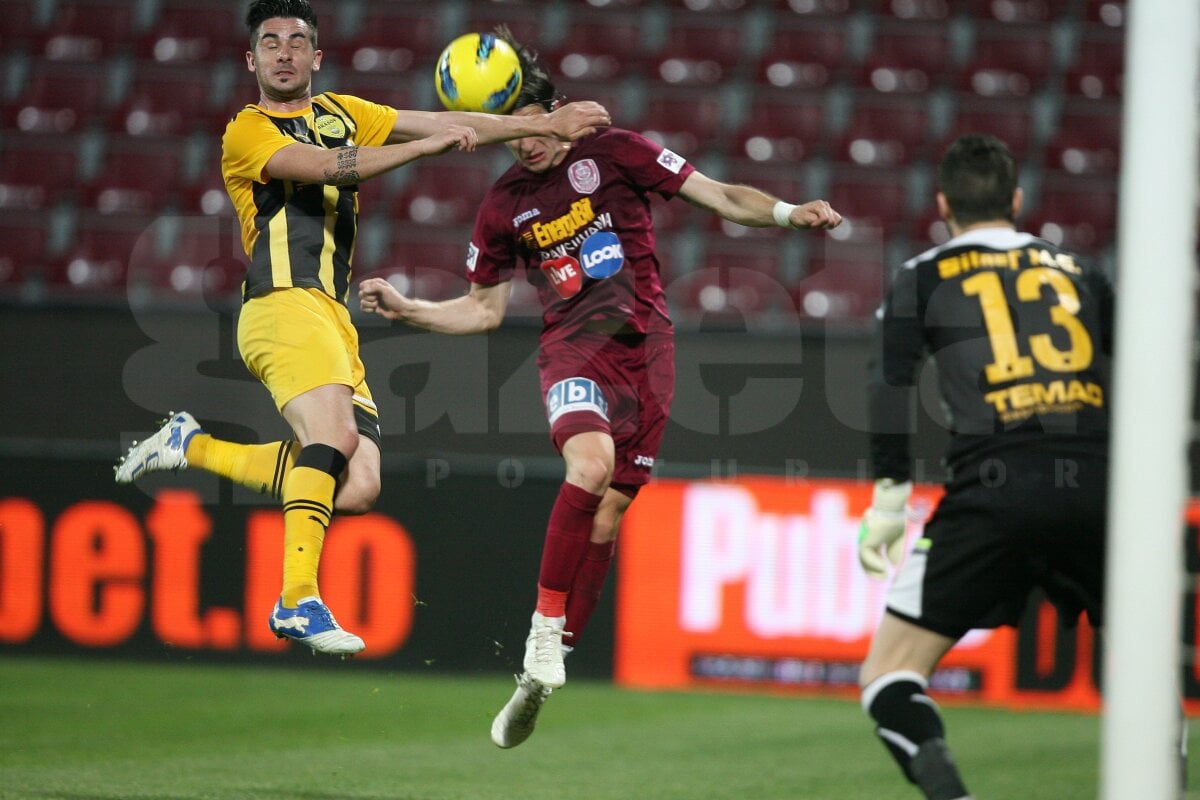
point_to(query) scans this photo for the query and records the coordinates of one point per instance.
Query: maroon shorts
(621, 385)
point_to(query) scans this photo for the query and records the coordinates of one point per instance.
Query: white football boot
(544, 651)
(514, 724)
(163, 450)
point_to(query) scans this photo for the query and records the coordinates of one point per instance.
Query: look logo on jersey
(600, 256)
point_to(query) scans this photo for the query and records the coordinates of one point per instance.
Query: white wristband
(782, 212)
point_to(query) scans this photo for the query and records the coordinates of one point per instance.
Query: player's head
(537, 87)
(283, 47)
(537, 96)
(978, 182)
(263, 10)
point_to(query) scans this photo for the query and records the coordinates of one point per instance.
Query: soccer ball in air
(478, 72)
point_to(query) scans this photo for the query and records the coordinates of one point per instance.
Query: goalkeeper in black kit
(1021, 333)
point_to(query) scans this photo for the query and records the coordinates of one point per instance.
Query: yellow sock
(307, 507)
(261, 467)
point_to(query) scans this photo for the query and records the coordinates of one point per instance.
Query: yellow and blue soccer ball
(478, 72)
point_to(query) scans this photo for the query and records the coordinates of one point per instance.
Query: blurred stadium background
(119, 273)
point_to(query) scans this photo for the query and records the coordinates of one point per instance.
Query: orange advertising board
(756, 582)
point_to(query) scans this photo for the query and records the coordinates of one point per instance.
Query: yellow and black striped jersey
(298, 234)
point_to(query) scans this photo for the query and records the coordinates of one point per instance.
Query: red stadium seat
(89, 30)
(907, 59)
(525, 23)
(710, 6)
(193, 32)
(443, 192)
(884, 133)
(58, 98)
(1009, 121)
(1106, 13)
(1078, 214)
(396, 38)
(1018, 12)
(734, 281)
(1087, 140)
(205, 260)
(104, 252)
(913, 10)
(137, 176)
(431, 267)
(206, 196)
(840, 289)
(782, 126)
(169, 101)
(807, 55)
(873, 203)
(815, 8)
(397, 91)
(23, 256)
(686, 121)
(597, 48)
(37, 171)
(700, 49)
(21, 26)
(1098, 70)
(1008, 61)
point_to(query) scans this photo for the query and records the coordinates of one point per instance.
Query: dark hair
(536, 83)
(978, 175)
(262, 10)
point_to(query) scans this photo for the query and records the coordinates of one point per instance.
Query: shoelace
(547, 640)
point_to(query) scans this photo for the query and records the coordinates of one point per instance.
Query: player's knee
(357, 496)
(592, 473)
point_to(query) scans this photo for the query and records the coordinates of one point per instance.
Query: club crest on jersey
(564, 275)
(601, 255)
(584, 176)
(331, 127)
(670, 161)
(575, 394)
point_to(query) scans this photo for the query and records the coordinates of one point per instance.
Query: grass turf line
(105, 730)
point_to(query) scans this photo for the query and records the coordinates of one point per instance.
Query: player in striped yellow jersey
(292, 164)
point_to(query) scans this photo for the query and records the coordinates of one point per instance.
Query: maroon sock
(589, 582)
(567, 536)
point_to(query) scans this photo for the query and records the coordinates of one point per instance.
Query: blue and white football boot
(312, 623)
(164, 450)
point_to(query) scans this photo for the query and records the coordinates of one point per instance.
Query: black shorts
(1007, 523)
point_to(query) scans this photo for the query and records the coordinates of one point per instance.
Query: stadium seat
(1087, 140)
(37, 171)
(204, 260)
(89, 30)
(425, 265)
(929, 229)
(700, 50)
(169, 101)
(787, 184)
(873, 203)
(394, 39)
(442, 192)
(526, 23)
(840, 289)
(782, 126)
(1079, 214)
(911, 58)
(1098, 70)
(884, 132)
(26, 237)
(58, 98)
(807, 55)
(597, 48)
(913, 10)
(21, 26)
(1008, 61)
(207, 195)
(192, 32)
(685, 120)
(1022, 12)
(1011, 121)
(136, 176)
(710, 6)
(103, 253)
(397, 91)
(1105, 13)
(730, 286)
(814, 8)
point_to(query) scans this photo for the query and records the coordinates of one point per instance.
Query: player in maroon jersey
(578, 218)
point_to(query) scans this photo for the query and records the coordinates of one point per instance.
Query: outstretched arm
(349, 165)
(568, 123)
(479, 311)
(746, 205)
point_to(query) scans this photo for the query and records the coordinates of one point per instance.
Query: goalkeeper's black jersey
(1021, 333)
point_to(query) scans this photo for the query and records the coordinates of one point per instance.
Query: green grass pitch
(104, 730)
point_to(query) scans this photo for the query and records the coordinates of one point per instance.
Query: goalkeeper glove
(881, 534)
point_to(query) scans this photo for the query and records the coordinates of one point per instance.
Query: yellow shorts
(294, 340)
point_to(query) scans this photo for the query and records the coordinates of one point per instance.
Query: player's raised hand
(377, 296)
(452, 137)
(815, 214)
(576, 120)
(881, 534)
